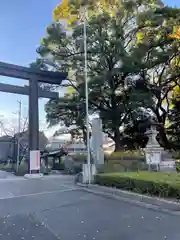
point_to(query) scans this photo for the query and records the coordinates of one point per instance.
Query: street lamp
(71, 15)
(84, 15)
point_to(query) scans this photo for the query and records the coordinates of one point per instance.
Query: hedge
(122, 166)
(159, 184)
(125, 155)
(175, 154)
(177, 162)
(22, 169)
(81, 158)
(115, 156)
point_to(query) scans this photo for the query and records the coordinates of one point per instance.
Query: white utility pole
(18, 139)
(84, 13)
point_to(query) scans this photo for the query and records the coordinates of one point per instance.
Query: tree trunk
(117, 139)
(162, 136)
(163, 140)
(84, 130)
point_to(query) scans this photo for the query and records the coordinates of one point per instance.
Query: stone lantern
(153, 151)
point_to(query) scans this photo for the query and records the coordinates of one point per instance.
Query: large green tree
(174, 124)
(164, 51)
(173, 127)
(69, 113)
(129, 63)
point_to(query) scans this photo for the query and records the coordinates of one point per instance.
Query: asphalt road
(53, 208)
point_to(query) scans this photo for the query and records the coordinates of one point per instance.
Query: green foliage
(45, 170)
(175, 154)
(81, 158)
(128, 153)
(121, 94)
(123, 166)
(159, 184)
(77, 168)
(174, 126)
(67, 111)
(74, 168)
(62, 166)
(22, 170)
(111, 167)
(76, 165)
(6, 167)
(125, 155)
(177, 165)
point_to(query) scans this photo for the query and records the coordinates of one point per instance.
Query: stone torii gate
(33, 91)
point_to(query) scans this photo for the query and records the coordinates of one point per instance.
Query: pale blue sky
(22, 25)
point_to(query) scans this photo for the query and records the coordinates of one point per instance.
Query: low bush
(160, 184)
(123, 166)
(6, 167)
(77, 168)
(22, 169)
(45, 170)
(58, 166)
(110, 167)
(62, 166)
(71, 166)
(177, 162)
(125, 155)
(175, 154)
(81, 158)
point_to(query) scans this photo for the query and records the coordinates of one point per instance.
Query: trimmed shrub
(58, 166)
(123, 166)
(45, 170)
(62, 165)
(81, 158)
(71, 166)
(110, 167)
(125, 155)
(175, 154)
(77, 168)
(177, 165)
(22, 169)
(165, 185)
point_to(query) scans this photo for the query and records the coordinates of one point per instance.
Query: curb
(34, 176)
(134, 198)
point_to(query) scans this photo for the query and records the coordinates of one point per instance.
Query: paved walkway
(4, 174)
(53, 208)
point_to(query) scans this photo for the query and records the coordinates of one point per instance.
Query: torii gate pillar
(33, 115)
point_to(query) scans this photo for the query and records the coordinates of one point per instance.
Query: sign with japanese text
(34, 160)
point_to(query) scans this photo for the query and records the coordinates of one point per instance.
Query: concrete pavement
(53, 208)
(5, 175)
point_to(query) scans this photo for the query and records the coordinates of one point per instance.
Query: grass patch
(153, 183)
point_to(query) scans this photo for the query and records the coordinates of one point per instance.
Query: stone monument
(155, 154)
(97, 142)
(153, 151)
(96, 150)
